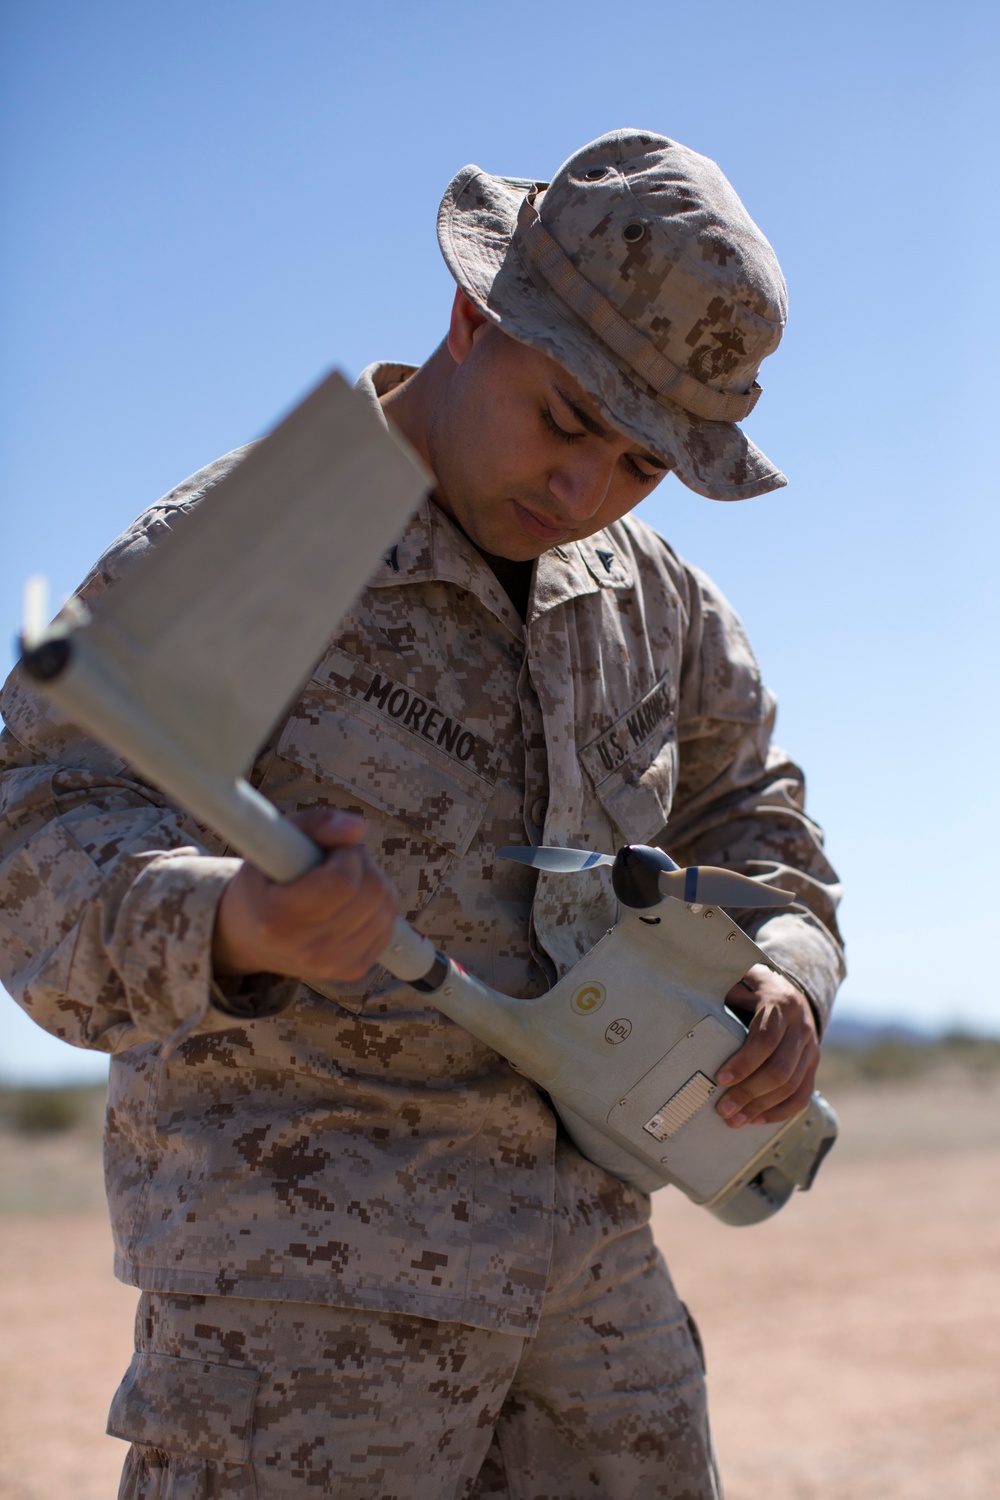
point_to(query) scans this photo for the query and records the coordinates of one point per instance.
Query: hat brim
(476, 225)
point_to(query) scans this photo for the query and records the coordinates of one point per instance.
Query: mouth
(536, 525)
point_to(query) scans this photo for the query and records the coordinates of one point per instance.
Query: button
(539, 808)
(632, 233)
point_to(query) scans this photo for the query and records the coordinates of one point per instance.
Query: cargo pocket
(715, 1478)
(423, 794)
(190, 1424)
(696, 1338)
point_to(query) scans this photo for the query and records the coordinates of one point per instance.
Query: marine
(369, 1261)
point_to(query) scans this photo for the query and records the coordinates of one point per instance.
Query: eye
(641, 474)
(556, 430)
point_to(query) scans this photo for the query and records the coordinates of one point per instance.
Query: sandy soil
(853, 1342)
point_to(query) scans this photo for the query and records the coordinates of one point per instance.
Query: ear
(467, 320)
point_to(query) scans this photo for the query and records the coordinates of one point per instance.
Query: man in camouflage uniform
(370, 1264)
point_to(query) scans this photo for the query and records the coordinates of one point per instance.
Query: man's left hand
(771, 1077)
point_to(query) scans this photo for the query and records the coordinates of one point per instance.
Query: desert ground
(853, 1342)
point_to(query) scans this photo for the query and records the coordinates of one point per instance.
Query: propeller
(556, 861)
(704, 884)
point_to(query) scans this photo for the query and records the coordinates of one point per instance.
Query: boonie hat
(641, 272)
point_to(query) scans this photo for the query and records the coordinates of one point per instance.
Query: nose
(581, 482)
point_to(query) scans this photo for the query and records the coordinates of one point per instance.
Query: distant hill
(857, 1051)
(847, 1031)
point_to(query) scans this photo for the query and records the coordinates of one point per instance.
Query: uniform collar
(564, 573)
(432, 547)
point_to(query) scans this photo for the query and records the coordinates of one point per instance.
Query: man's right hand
(331, 923)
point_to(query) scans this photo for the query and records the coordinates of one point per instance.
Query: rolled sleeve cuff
(802, 948)
(164, 938)
(250, 997)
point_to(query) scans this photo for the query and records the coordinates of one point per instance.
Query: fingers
(331, 923)
(774, 1092)
(771, 1077)
(334, 922)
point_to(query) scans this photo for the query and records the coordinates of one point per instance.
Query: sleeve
(108, 892)
(740, 801)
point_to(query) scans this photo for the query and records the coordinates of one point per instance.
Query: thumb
(329, 827)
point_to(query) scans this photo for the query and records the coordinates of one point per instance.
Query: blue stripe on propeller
(691, 883)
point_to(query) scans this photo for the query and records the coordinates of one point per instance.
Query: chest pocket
(423, 795)
(633, 765)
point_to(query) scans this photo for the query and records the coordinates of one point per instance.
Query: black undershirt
(513, 577)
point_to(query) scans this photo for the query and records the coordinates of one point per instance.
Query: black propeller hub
(636, 873)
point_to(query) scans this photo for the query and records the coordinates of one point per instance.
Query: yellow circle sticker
(588, 998)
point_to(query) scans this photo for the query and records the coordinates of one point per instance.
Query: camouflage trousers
(229, 1399)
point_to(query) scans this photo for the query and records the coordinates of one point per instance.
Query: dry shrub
(49, 1110)
(896, 1059)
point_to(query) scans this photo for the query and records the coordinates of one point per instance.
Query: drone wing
(211, 635)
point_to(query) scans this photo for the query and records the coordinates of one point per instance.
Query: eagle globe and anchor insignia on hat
(639, 270)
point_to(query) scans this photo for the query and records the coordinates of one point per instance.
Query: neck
(410, 406)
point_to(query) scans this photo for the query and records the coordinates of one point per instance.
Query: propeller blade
(556, 861)
(714, 887)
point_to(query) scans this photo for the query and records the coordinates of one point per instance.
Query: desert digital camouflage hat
(641, 272)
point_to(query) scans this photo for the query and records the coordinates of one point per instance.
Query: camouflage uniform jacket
(351, 1145)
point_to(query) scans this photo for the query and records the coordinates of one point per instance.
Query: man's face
(524, 458)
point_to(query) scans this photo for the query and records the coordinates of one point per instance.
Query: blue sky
(208, 205)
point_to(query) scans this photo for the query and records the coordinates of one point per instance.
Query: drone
(185, 665)
(627, 1044)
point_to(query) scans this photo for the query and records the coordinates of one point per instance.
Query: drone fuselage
(627, 1046)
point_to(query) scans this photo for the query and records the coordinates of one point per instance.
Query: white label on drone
(681, 1107)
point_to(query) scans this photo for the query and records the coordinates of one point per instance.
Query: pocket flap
(393, 750)
(186, 1406)
(637, 794)
(639, 798)
(633, 764)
